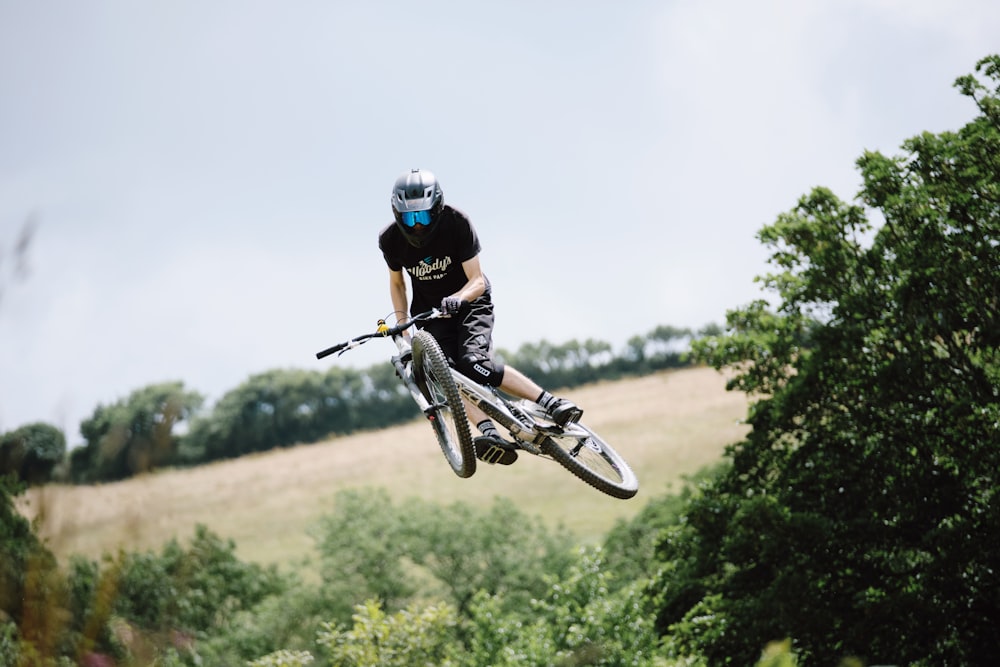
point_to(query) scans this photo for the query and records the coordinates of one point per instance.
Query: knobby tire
(447, 416)
(586, 455)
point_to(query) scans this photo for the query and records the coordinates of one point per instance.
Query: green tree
(861, 514)
(195, 589)
(362, 549)
(498, 550)
(17, 543)
(32, 451)
(285, 622)
(135, 434)
(264, 412)
(411, 636)
(629, 549)
(372, 549)
(32, 592)
(283, 658)
(663, 347)
(582, 618)
(138, 604)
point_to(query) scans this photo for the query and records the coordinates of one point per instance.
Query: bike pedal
(495, 454)
(569, 417)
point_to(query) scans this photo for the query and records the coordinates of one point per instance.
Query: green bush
(288, 621)
(283, 658)
(582, 619)
(373, 549)
(141, 604)
(25, 563)
(32, 452)
(630, 546)
(411, 636)
(197, 590)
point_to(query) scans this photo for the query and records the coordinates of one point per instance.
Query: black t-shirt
(435, 269)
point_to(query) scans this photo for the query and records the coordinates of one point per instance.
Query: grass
(666, 425)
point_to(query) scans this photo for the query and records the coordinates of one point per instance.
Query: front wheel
(447, 414)
(586, 455)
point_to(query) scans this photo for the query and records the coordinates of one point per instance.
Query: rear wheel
(586, 455)
(447, 415)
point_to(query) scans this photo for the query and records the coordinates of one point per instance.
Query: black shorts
(467, 340)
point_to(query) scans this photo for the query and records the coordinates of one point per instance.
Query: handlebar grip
(331, 350)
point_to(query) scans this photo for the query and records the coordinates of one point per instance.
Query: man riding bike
(438, 247)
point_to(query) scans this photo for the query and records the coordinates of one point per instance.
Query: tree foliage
(374, 549)
(32, 452)
(412, 636)
(133, 608)
(578, 619)
(362, 544)
(134, 435)
(19, 546)
(33, 615)
(194, 589)
(861, 514)
(629, 553)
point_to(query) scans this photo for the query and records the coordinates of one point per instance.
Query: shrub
(32, 452)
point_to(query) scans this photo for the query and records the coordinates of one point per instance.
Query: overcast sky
(208, 179)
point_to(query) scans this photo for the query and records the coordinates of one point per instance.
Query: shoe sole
(496, 454)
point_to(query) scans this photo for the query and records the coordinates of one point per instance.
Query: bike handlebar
(388, 332)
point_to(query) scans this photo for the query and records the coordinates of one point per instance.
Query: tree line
(166, 424)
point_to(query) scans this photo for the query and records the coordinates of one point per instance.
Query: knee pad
(481, 369)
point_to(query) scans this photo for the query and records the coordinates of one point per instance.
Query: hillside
(666, 425)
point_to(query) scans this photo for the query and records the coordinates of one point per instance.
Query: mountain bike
(438, 390)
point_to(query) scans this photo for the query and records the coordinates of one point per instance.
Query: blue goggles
(414, 218)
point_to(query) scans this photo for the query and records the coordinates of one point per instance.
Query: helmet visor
(413, 218)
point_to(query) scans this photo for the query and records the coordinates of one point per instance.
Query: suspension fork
(403, 362)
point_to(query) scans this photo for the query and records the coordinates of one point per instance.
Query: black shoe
(494, 449)
(564, 412)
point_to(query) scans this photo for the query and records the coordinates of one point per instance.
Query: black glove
(450, 305)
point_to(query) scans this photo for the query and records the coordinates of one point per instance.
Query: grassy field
(666, 425)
